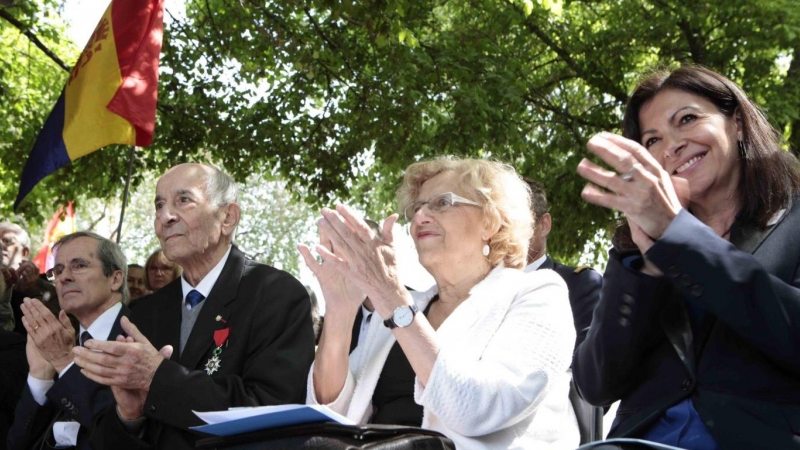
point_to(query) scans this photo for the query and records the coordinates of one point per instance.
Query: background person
(21, 276)
(484, 352)
(159, 271)
(697, 329)
(135, 282)
(584, 285)
(583, 282)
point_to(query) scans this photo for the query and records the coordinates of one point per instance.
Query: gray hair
(221, 189)
(109, 253)
(22, 235)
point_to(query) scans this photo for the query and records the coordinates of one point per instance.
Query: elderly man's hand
(128, 364)
(54, 337)
(130, 402)
(27, 276)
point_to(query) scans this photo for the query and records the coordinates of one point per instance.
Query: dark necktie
(193, 298)
(85, 336)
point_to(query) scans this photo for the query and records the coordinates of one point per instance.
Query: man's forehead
(82, 247)
(180, 180)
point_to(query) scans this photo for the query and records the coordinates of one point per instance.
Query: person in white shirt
(59, 404)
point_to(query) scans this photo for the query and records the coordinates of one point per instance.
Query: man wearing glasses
(59, 404)
(21, 277)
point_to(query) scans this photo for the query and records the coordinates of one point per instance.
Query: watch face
(403, 316)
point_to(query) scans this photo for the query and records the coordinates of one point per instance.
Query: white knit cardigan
(501, 378)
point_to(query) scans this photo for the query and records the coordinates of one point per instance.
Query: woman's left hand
(640, 188)
(363, 258)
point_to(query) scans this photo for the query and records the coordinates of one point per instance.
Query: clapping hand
(53, 337)
(639, 187)
(127, 365)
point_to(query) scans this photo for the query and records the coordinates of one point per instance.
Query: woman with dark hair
(698, 328)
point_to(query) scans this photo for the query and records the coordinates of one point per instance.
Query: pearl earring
(486, 250)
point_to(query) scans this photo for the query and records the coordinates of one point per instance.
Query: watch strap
(390, 323)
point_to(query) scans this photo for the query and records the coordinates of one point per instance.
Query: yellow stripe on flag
(94, 81)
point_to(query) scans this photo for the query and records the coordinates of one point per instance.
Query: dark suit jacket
(584, 294)
(72, 397)
(741, 367)
(264, 362)
(13, 375)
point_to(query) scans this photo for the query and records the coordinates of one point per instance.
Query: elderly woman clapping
(488, 347)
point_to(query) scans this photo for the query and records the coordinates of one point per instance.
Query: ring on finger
(36, 327)
(628, 176)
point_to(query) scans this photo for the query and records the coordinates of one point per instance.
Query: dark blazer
(72, 398)
(741, 365)
(264, 362)
(584, 286)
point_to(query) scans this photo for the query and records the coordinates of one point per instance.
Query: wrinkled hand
(129, 363)
(649, 199)
(38, 367)
(27, 276)
(130, 402)
(54, 337)
(371, 264)
(341, 293)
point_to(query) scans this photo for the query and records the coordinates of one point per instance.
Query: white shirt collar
(101, 327)
(207, 283)
(364, 311)
(534, 266)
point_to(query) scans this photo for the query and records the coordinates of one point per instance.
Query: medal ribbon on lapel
(220, 337)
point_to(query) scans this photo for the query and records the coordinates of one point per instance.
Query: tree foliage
(339, 96)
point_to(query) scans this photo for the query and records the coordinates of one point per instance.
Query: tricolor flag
(110, 97)
(56, 229)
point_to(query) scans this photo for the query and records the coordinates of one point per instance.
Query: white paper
(215, 417)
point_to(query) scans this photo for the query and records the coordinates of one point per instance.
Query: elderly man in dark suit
(89, 273)
(240, 332)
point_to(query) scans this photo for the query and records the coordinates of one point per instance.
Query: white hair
(221, 189)
(22, 235)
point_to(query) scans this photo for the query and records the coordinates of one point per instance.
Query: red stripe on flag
(138, 29)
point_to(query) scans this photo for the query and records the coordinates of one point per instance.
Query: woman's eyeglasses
(437, 204)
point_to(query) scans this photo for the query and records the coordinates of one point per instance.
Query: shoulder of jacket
(581, 268)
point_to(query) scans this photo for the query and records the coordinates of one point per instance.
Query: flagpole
(125, 194)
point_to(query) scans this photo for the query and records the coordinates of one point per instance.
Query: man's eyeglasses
(76, 267)
(8, 241)
(437, 204)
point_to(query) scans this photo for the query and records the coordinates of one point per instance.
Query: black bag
(333, 436)
(626, 444)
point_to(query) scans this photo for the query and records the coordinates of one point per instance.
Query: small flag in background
(111, 93)
(55, 230)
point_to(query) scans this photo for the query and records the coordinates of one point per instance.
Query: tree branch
(32, 37)
(564, 55)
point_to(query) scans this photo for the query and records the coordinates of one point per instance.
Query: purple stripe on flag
(48, 154)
